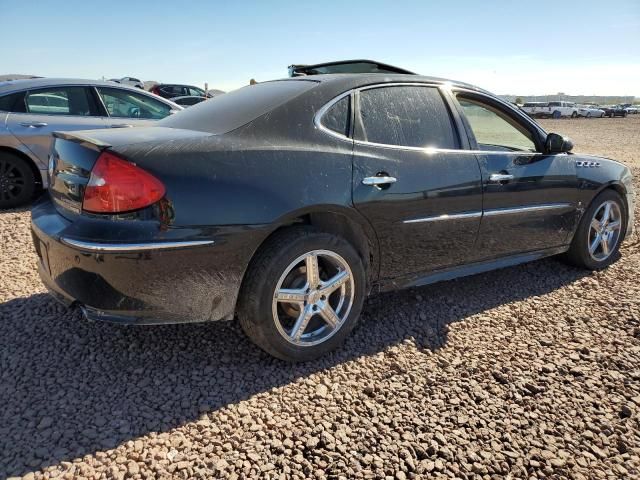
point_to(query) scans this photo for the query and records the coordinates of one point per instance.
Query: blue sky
(578, 47)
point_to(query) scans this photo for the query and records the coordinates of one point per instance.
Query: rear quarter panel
(235, 180)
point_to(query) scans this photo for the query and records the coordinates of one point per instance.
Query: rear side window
(232, 110)
(337, 117)
(14, 102)
(409, 116)
(60, 101)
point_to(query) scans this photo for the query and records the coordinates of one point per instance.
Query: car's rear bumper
(172, 276)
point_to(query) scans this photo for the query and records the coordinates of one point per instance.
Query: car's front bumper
(179, 277)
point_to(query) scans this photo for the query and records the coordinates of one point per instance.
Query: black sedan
(287, 202)
(614, 111)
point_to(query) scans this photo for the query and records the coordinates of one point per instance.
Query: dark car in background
(31, 109)
(614, 111)
(287, 202)
(171, 90)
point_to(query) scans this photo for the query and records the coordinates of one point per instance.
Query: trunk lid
(73, 155)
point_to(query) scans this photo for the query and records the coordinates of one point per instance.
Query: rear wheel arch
(341, 221)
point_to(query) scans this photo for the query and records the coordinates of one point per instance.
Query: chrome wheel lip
(604, 231)
(346, 290)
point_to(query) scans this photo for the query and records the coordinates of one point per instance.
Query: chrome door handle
(500, 177)
(33, 124)
(377, 181)
(122, 125)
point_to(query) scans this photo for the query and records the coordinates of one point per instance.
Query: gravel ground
(527, 372)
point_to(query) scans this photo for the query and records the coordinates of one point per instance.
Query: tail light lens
(117, 186)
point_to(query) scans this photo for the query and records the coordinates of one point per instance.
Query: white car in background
(589, 111)
(130, 81)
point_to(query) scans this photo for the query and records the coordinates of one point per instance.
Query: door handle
(378, 181)
(33, 124)
(500, 177)
(121, 125)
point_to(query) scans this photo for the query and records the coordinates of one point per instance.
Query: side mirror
(556, 143)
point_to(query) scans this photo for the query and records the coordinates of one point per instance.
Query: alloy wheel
(313, 298)
(604, 231)
(12, 182)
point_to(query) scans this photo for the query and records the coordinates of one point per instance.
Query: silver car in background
(30, 110)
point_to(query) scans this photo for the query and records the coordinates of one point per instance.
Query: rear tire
(574, 114)
(601, 231)
(17, 181)
(282, 310)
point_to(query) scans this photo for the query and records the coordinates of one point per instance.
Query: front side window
(336, 118)
(410, 116)
(126, 104)
(495, 130)
(60, 101)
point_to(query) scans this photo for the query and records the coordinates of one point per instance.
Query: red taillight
(117, 185)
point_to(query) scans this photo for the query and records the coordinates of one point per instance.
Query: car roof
(346, 81)
(28, 83)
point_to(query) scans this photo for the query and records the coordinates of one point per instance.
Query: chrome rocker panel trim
(132, 247)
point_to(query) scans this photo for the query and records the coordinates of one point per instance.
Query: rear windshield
(235, 109)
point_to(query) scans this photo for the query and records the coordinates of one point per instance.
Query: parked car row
(569, 109)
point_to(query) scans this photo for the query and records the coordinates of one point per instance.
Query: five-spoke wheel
(302, 294)
(604, 231)
(600, 232)
(313, 297)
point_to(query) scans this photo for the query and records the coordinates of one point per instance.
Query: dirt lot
(528, 372)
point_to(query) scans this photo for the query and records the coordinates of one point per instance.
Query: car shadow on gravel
(70, 387)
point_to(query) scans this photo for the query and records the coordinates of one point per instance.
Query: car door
(412, 181)
(127, 108)
(50, 109)
(529, 197)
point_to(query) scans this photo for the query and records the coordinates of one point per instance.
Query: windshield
(227, 112)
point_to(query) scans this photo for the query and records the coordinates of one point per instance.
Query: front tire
(302, 294)
(17, 181)
(601, 230)
(574, 114)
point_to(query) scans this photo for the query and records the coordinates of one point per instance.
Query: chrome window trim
(526, 209)
(455, 216)
(132, 247)
(317, 120)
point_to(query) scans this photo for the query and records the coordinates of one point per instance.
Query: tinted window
(495, 130)
(14, 102)
(188, 101)
(60, 101)
(555, 104)
(234, 109)
(409, 116)
(198, 92)
(337, 117)
(126, 104)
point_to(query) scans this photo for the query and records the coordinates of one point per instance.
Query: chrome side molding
(527, 209)
(438, 218)
(493, 212)
(132, 247)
